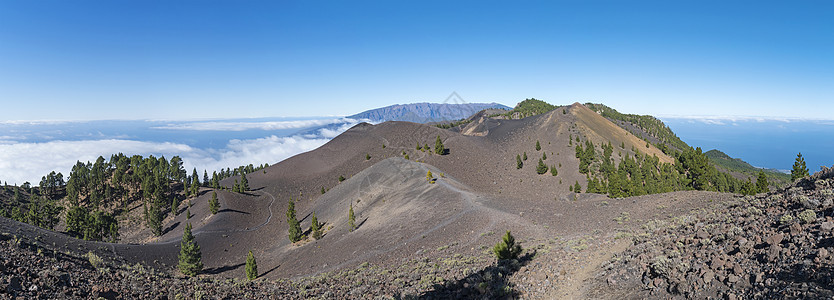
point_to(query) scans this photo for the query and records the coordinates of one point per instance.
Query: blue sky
(87, 60)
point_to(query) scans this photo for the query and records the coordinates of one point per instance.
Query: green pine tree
(524, 157)
(541, 168)
(315, 227)
(429, 176)
(190, 256)
(214, 204)
(351, 219)
(800, 170)
(538, 146)
(438, 146)
(544, 156)
(761, 183)
(553, 170)
(518, 162)
(244, 183)
(507, 248)
(294, 229)
(175, 205)
(577, 188)
(251, 266)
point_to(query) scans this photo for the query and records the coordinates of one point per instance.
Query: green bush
(807, 216)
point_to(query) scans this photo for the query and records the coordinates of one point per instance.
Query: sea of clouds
(26, 158)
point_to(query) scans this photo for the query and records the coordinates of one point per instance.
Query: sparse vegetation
(341, 178)
(807, 216)
(507, 248)
(518, 162)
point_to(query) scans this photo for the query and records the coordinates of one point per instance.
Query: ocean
(762, 142)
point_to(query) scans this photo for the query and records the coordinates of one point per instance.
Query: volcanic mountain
(427, 215)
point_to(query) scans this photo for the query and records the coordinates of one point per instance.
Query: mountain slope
(737, 165)
(425, 112)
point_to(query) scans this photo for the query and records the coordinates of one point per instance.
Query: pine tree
(195, 184)
(351, 219)
(315, 227)
(518, 162)
(761, 182)
(506, 248)
(205, 178)
(553, 170)
(524, 157)
(214, 204)
(244, 183)
(322, 190)
(800, 170)
(154, 219)
(175, 205)
(190, 256)
(438, 146)
(541, 168)
(251, 266)
(367, 156)
(538, 146)
(429, 176)
(544, 156)
(294, 229)
(577, 188)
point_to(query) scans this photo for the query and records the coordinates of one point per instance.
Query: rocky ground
(777, 245)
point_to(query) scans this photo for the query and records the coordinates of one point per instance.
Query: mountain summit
(425, 112)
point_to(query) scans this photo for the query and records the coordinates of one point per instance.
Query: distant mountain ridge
(426, 112)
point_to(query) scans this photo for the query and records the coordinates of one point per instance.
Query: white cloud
(20, 162)
(241, 126)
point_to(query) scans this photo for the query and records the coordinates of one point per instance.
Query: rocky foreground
(779, 245)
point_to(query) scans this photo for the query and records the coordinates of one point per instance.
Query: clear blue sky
(213, 59)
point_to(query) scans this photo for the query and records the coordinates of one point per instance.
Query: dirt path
(575, 287)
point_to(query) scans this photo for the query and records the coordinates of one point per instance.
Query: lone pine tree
(351, 219)
(507, 248)
(294, 227)
(214, 204)
(251, 266)
(538, 146)
(190, 263)
(518, 162)
(438, 146)
(799, 170)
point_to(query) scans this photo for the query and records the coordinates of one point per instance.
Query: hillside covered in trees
(96, 196)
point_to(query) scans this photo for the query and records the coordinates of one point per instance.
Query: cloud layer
(241, 126)
(21, 162)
